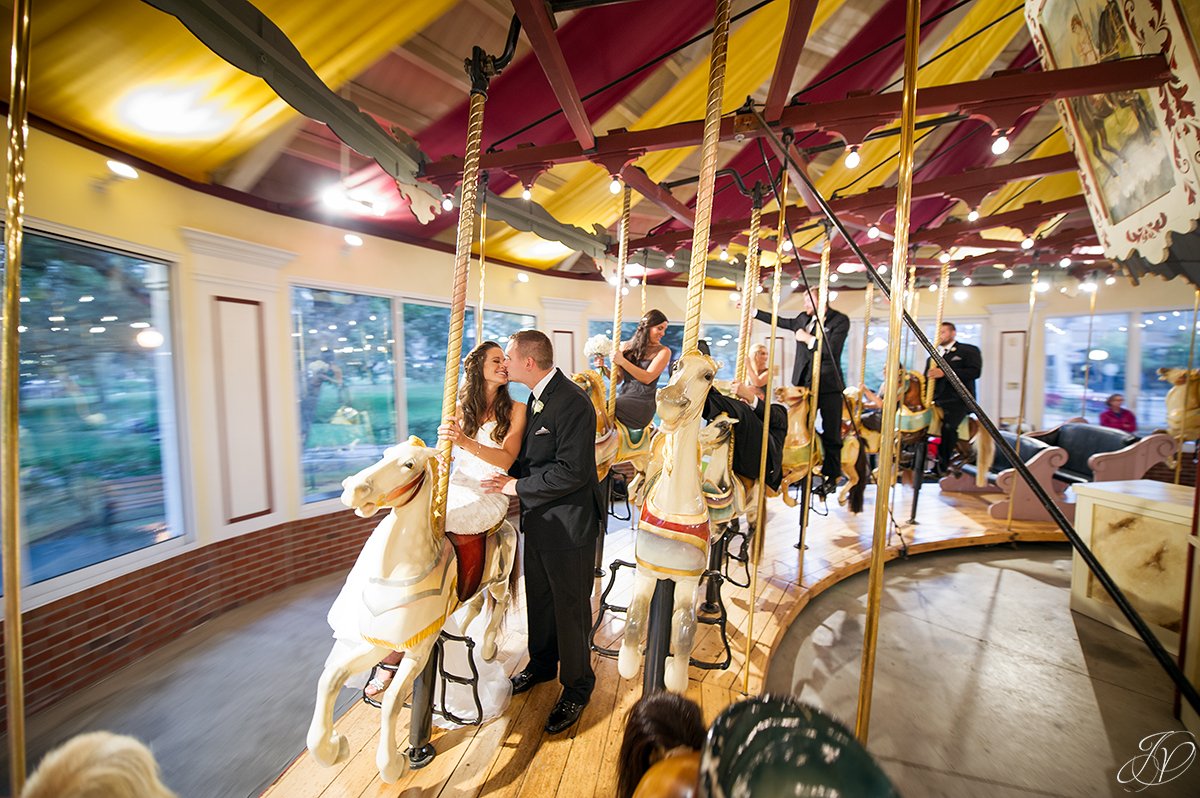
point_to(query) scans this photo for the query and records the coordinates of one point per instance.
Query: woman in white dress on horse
(487, 435)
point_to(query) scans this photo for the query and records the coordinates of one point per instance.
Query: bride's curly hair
(473, 397)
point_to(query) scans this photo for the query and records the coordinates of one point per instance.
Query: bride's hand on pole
(449, 430)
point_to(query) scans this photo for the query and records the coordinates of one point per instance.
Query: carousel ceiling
(606, 89)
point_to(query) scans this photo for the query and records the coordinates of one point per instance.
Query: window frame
(180, 500)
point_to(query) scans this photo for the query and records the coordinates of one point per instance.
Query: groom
(561, 512)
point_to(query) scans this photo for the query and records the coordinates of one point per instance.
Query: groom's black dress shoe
(525, 680)
(563, 716)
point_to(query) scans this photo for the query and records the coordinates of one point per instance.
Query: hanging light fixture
(853, 159)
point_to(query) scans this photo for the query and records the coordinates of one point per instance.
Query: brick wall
(109, 626)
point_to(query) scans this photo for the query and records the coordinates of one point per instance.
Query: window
(426, 336)
(344, 351)
(1066, 349)
(723, 342)
(914, 357)
(98, 433)
(1165, 339)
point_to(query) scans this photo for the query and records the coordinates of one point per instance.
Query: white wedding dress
(468, 511)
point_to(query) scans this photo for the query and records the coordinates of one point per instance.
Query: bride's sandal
(381, 676)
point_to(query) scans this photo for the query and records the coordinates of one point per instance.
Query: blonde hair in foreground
(97, 765)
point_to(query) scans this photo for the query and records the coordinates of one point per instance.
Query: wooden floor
(512, 755)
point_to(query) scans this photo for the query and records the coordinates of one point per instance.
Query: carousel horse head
(792, 396)
(912, 391)
(682, 401)
(394, 481)
(717, 433)
(593, 384)
(1183, 401)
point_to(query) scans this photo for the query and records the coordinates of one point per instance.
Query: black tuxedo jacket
(837, 327)
(747, 435)
(561, 504)
(967, 362)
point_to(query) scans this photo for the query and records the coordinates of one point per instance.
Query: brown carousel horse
(918, 421)
(803, 452)
(615, 443)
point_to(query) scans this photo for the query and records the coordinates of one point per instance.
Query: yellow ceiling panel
(165, 97)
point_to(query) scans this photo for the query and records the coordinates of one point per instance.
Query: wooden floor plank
(513, 756)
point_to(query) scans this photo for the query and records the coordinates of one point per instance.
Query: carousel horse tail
(985, 453)
(859, 490)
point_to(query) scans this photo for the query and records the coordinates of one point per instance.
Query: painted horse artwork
(413, 579)
(673, 533)
(615, 443)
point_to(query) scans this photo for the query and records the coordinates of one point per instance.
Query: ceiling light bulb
(724, 254)
(853, 159)
(670, 262)
(447, 203)
(872, 232)
(883, 269)
(933, 287)
(1065, 262)
(1088, 286)
(1110, 281)
(122, 170)
(522, 277)
(944, 257)
(833, 295)
(615, 186)
(526, 194)
(960, 295)
(966, 281)
(1000, 145)
(833, 278)
(1027, 243)
(973, 216)
(352, 240)
(1007, 273)
(795, 284)
(787, 245)
(1041, 287)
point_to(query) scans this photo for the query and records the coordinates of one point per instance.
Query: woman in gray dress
(641, 359)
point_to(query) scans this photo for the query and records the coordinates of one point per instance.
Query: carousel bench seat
(1040, 458)
(1101, 454)
(1030, 448)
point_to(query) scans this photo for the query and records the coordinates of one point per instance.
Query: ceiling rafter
(795, 36)
(539, 27)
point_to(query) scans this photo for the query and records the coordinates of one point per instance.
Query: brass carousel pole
(868, 302)
(1187, 384)
(18, 132)
(749, 291)
(756, 547)
(1033, 281)
(1087, 359)
(815, 393)
(622, 258)
(482, 263)
(886, 453)
(943, 288)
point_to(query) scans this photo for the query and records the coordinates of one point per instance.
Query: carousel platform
(513, 755)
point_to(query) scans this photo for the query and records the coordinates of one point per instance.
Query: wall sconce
(117, 172)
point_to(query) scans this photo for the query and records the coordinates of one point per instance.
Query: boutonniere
(537, 406)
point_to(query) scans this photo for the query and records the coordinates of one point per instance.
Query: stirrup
(373, 681)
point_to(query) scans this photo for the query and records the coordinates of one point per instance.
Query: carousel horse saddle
(633, 438)
(777, 745)
(872, 420)
(470, 553)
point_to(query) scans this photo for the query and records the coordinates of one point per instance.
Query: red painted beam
(636, 178)
(540, 30)
(867, 113)
(799, 22)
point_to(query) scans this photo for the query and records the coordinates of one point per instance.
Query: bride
(486, 434)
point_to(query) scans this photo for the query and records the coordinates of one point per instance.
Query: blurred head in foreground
(97, 765)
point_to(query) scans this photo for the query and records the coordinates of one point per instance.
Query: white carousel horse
(724, 493)
(673, 533)
(412, 587)
(1183, 402)
(615, 443)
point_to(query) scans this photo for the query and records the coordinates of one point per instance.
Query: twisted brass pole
(708, 176)
(761, 531)
(891, 383)
(10, 357)
(458, 299)
(1033, 281)
(482, 267)
(1187, 382)
(943, 288)
(618, 299)
(868, 301)
(749, 293)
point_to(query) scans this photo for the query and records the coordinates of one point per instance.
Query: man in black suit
(747, 433)
(554, 477)
(829, 399)
(967, 363)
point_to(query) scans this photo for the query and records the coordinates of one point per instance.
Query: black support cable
(1186, 688)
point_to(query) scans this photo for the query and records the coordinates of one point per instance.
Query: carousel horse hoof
(675, 677)
(489, 650)
(629, 662)
(392, 767)
(331, 751)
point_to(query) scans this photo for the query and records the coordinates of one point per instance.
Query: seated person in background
(661, 747)
(97, 765)
(639, 363)
(758, 369)
(1116, 416)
